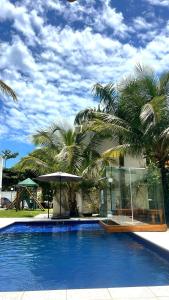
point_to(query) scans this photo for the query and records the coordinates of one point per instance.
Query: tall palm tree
(140, 121)
(108, 97)
(68, 150)
(8, 154)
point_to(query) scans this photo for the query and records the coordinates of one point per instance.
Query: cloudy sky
(52, 52)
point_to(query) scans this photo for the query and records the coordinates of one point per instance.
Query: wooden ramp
(125, 220)
(115, 225)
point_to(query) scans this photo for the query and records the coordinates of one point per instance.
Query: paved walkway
(130, 293)
(133, 293)
(159, 238)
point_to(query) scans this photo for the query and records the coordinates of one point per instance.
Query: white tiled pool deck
(129, 293)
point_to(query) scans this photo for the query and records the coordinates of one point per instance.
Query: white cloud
(98, 18)
(59, 83)
(55, 82)
(27, 22)
(157, 53)
(17, 57)
(28, 18)
(159, 2)
(140, 23)
(146, 29)
(109, 17)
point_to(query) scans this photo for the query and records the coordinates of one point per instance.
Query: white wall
(134, 162)
(9, 195)
(129, 161)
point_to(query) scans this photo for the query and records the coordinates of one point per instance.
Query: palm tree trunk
(165, 185)
(72, 202)
(121, 160)
(122, 181)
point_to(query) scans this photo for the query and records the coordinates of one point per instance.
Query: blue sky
(53, 52)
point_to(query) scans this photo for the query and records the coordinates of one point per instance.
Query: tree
(7, 90)
(8, 154)
(108, 104)
(148, 120)
(68, 150)
(60, 149)
(11, 177)
(140, 120)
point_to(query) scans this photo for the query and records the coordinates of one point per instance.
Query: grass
(11, 213)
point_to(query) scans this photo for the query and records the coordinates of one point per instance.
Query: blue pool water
(51, 227)
(52, 256)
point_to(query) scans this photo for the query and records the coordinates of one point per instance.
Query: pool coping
(127, 293)
(53, 221)
(153, 237)
(150, 292)
(4, 222)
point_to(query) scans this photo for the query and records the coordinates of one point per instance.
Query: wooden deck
(125, 224)
(126, 220)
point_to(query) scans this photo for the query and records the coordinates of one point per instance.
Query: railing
(152, 216)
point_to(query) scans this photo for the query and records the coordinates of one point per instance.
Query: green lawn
(21, 213)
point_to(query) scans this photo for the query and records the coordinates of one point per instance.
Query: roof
(28, 182)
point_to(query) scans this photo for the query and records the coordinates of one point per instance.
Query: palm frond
(142, 71)
(107, 95)
(116, 151)
(96, 167)
(46, 138)
(6, 89)
(108, 118)
(154, 110)
(147, 113)
(164, 84)
(32, 163)
(109, 125)
(71, 158)
(84, 115)
(164, 140)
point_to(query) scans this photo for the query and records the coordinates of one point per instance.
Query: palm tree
(140, 120)
(58, 152)
(69, 150)
(6, 89)
(108, 97)
(8, 154)
(148, 120)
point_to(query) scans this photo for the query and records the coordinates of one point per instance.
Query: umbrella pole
(60, 197)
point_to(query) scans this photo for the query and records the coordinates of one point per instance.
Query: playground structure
(26, 195)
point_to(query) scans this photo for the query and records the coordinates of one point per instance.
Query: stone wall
(90, 204)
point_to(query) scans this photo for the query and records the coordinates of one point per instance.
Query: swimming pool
(39, 256)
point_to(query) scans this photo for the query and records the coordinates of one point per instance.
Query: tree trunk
(72, 202)
(122, 181)
(165, 186)
(121, 160)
